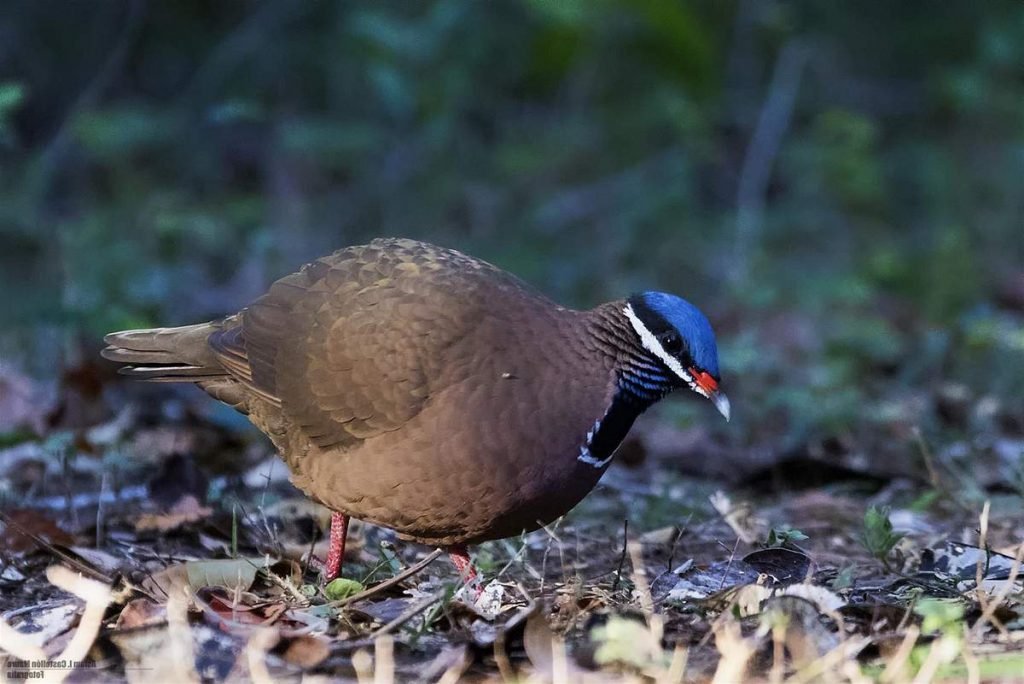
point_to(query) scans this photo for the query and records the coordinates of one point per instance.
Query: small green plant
(627, 642)
(439, 609)
(926, 501)
(390, 557)
(342, 588)
(844, 578)
(939, 615)
(486, 561)
(784, 536)
(942, 619)
(879, 538)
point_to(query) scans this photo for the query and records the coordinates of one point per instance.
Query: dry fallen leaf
(231, 573)
(101, 561)
(826, 600)
(140, 612)
(164, 650)
(73, 649)
(797, 622)
(740, 517)
(231, 615)
(783, 566)
(305, 651)
(26, 530)
(188, 510)
(547, 652)
(41, 625)
(626, 640)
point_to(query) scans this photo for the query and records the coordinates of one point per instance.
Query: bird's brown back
(355, 343)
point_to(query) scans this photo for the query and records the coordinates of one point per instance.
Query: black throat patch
(608, 433)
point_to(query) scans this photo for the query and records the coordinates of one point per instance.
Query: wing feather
(353, 344)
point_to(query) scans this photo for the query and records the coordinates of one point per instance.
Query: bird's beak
(721, 403)
(708, 386)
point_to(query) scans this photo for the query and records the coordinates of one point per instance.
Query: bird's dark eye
(671, 342)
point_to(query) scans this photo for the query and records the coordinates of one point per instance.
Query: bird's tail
(166, 354)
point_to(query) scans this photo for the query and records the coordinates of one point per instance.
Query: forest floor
(160, 544)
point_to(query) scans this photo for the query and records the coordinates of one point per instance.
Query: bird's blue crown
(660, 311)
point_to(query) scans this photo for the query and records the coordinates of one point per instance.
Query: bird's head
(680, 338)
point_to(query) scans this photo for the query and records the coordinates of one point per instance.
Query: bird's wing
(354, 344)
(228, 344)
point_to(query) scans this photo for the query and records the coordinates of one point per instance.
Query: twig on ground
(816, 669)
(622, 556)
(405, 574)
(970, 660)
(929, 461)
(362, 663)
(735, 653)
(517, 556)
(677, 667)
(895, 666)
(636, 556)
(552, 537)
(501, 659)
(728, 567)
(981, 566)
(988, 613)
(408, 614)
(96, 596)
(953, 494)
(289, 587)
(256, 648)
(384, 660)
(100, 518)
(18, 645)
(63, 557)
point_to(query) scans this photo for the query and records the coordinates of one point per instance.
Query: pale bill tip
(722, 404)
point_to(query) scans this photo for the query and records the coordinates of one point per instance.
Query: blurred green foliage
(879, 538)
(162, 162)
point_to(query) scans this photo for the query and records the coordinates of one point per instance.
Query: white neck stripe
(589, 458)
(651, 344)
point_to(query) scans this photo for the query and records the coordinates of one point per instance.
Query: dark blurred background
(839, 185)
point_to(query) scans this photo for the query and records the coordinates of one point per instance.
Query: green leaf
(341, 588)
(939, 615)
(387, 551)
(625, 641)
(232, 573)
(784, 535)
(844, 579)
(879, 537)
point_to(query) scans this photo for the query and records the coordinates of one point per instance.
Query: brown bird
(430, 392)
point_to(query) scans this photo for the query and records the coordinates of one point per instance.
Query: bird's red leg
(339, 531)
(462, 563)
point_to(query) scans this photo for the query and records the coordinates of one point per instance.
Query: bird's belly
(449, 492)
(483, 460)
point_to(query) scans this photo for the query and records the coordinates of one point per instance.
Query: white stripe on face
(651, 344)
